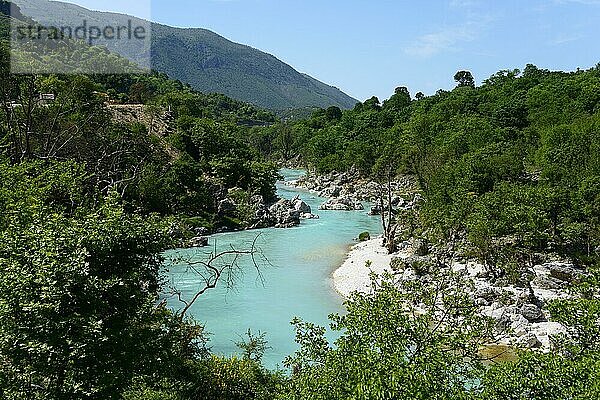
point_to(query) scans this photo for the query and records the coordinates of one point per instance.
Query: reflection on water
(296, 280)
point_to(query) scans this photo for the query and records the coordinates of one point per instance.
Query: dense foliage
(90, 197)
(513, 163)
(163, 146)
(94, 185)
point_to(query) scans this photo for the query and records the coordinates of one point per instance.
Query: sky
(369, 47)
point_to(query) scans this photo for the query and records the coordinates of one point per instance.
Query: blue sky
(369, 47)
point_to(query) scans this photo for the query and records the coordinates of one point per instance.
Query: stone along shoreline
(520, 312)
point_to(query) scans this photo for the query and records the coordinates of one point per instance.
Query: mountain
(203, 59)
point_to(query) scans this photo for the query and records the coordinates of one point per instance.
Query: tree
(78, 304)
(400, 99)
(464, 79)
(333, 113)
(386, 170)
(284, 141)
(417, 340)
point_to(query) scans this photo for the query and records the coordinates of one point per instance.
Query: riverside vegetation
(90, 201)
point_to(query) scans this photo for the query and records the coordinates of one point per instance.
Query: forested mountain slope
(205, 60)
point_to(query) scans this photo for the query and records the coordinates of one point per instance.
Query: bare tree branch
(217, 266)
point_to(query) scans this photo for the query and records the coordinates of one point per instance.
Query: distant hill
(205, 60)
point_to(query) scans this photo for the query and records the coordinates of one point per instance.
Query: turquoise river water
(296, 281)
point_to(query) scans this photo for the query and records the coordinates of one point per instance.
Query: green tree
(411, 341)
(464, 78)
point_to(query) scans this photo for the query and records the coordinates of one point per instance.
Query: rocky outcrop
(564, 272)
(351, 184)
(282, 214)
(342, 204)
(520, 312)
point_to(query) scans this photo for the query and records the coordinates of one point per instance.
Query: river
(296, 282)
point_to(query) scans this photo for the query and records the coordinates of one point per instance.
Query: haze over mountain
(204, 59)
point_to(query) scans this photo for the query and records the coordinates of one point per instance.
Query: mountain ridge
(206, 60)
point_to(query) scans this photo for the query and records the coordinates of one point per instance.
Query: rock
(488, 293)
(503, 324)
(302, 207)
(421, 247)
(284, 214)
(529, 341)
(343, 179)
(257, 200)
(546, 282)
(226, 206)
(200, 241)
(335, 207)
(420, 265)
(518, 322)
(309, 216)
(520, 332)
(342, 204)
(332, 191)
(202, 231)
(375, 210)
(564, 271)
(481, 302)
(532, 312)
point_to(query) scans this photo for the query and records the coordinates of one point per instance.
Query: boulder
(226, 206)
(302, 207)
(309, 216)
(503, 324)
(546, 282)
(488, 293)
(199, 241)
(563, 271)
(342, 204)
(529, 341)
(284, 214)
(532, 313)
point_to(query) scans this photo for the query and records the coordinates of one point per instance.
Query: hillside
(208, 62)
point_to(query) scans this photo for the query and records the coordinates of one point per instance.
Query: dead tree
(216, 266)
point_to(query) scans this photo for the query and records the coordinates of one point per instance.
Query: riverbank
(520, 313)
(363, 259)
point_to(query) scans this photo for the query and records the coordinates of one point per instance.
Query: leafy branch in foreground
(418, 339)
